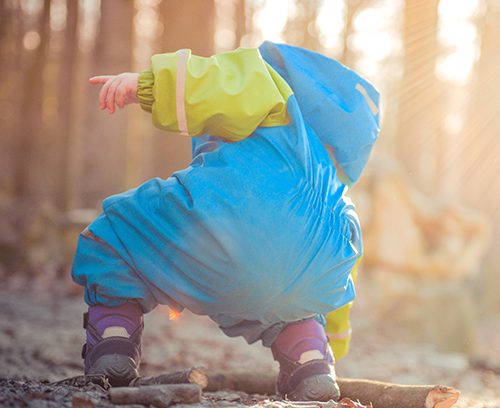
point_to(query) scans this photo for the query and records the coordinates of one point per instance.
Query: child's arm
(227, 95)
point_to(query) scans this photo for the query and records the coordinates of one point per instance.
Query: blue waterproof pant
(253, 234)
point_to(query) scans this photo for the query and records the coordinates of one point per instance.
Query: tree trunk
(104, 166)
(167, 152)
(419, 98)
(179, 19)
(240, 18)
(352, 7)
(29, 131)
(480, 155)
(66, 98)
(10, 47)
(300, 29)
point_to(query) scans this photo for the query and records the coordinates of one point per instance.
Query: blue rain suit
(254, 233)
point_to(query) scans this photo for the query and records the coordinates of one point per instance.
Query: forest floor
(41, 338)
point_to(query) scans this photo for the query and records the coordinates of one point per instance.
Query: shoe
(306, 362)
(113, 347)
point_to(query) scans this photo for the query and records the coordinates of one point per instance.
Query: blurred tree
(420, 95)
(66, 98)
(104, 147)
(352, 9)
(29, 130)
(480, 154)
(11, 49)
(188, 24)
(240, 18)
(300, 29)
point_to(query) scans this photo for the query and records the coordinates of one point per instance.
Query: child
(256, 232)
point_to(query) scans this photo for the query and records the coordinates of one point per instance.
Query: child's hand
(120, 89)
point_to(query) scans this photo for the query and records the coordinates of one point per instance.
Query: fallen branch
(380, 394)
(160, 396)
(386, 395)
(191, 376)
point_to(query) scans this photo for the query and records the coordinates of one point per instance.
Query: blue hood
(339, 105)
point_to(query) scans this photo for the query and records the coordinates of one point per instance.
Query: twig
(84, 380)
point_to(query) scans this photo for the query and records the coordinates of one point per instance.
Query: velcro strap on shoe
(114, 345)
(306, 370)
(287, 365)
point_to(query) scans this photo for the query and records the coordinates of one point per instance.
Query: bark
(192, 376)
(386, 395)
(160, 396)
(380, 394)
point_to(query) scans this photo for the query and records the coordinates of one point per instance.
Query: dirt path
(41, 337)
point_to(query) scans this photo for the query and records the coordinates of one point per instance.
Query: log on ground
(387, 395)
(379, 394)
(191, 376)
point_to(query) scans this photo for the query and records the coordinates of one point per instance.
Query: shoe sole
(320, 387)
(118, 368)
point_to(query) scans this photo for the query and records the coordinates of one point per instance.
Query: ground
(41, 337)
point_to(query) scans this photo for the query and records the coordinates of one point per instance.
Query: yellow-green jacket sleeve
(227, 95)
(338, 324)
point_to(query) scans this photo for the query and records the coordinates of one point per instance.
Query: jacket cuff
(145, 90)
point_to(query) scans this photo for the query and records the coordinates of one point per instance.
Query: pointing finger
(110, 97)
(104, 92)
(101, 79)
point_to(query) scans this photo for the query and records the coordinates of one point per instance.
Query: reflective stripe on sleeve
(182, 56)
(339, 336)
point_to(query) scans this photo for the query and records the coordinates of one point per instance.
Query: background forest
(430, 200)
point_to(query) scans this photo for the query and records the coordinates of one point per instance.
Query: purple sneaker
(306, 361)
(113, 346)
